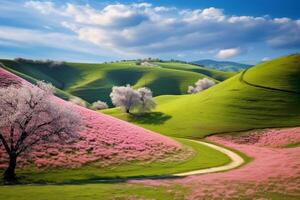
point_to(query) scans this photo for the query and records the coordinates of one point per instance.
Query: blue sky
(95, 31)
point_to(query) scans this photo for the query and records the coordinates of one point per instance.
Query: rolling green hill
(216, 74)
(92, 82)
(266, 95)
(223, 65)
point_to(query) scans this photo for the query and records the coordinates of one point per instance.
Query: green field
(232, 105)
(93, 82)
(201, 157)
(99, 191)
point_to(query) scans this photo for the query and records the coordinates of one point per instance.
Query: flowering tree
(30, 116)
(200, 85)
(147, 101)
(128, 98)
(125, 97)
(78, 101)
(99, 105)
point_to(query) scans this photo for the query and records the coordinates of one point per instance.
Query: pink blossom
(271, 170)
(103, 139)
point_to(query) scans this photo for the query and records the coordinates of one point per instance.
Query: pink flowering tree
(31, 116)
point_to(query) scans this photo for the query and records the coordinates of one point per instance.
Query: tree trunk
(9, 174)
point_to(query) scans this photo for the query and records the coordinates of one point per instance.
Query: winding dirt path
(236, 161)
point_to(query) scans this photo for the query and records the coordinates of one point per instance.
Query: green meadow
(232, 105)
(93, 82)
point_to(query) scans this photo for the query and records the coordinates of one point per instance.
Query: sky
(246, 31)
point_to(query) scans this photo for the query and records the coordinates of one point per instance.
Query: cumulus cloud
(145, 28)
(22, 37)
(228, 53)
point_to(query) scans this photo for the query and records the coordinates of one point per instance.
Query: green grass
(100, 191)
(93, 82)
(230, 105)
(282, 73)
(293, 145)
(202, 157)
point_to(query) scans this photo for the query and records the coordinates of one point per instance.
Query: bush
(78, 101)
(99, 105)
(200, 85)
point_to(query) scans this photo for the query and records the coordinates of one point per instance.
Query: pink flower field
(272, 170)
(104, 140)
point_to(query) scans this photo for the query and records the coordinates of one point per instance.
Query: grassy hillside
(92, 82)
(60, 93)
(232, 105)
(218, 75)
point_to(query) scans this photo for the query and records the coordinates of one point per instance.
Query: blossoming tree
(128, 98)
(200, 85)
(30, 116)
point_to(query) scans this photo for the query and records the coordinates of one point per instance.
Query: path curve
(236, 161)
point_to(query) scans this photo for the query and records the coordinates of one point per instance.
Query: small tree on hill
(125, 97)
(200, 85)
(29, 117)
(147, 101)
(128, 99)
(99, 105)
(78, 101)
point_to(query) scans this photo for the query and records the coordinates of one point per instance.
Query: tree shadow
(93, 179)
(150, 118)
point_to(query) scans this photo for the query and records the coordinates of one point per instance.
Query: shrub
(200, 85)
(99, 105)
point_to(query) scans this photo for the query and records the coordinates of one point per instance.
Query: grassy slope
(231, 105)
(218, 75)
(280, 73)
(62, 94)
(94, 81)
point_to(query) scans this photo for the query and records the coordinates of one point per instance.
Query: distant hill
(222, 65)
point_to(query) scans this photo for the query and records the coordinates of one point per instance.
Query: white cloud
(45, 7)
(228, 53)
(22, 37)
(142, 28)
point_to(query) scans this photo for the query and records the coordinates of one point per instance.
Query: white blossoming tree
(99, 105)
(200, 85)
(129, 99)
(147, 101)
(125, 97)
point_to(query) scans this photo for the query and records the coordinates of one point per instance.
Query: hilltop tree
(30, 116)
(125, 97)
(200, 85)
(147, 101)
